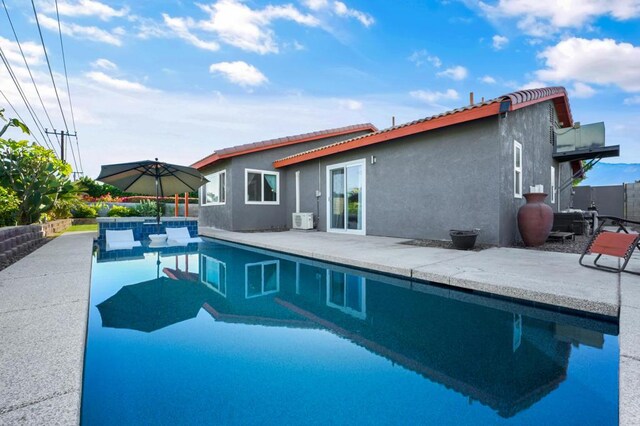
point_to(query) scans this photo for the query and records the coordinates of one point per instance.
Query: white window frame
(517, 183)
(203, 191)
(347, 310)
(262, 173)
(222, 284)
(553, 185)
(262, 290)
(361, 162)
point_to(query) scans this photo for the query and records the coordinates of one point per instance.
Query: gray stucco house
(462, 169)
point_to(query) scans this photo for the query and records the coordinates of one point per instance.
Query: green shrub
(83, 210)
(121, 211)
(147, 208)
(9, 205)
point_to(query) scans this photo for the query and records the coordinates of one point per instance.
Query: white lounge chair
(121, 240)
(180, 236)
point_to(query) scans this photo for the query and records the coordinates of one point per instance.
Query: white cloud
(456, 73)
(487, 79)
(499, 42)
(419, 57)
(83, 32)
(596, 61)
(316, 4)
(432, 97)
(116, 83)
(85, 8)
(581, 90)
(34, 55)
(239, 72)
(235, 23)
(33, 52)
(533, 85)
(341, 9)
(350, 104)
(545, 17)
(104, 64)
(633, 100)
(180, 27)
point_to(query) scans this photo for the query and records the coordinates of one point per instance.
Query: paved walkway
(43, 317)
(552, 278)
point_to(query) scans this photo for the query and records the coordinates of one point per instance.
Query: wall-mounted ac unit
(302, 220)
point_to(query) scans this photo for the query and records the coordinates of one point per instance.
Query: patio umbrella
(152, 305)
(152, 178)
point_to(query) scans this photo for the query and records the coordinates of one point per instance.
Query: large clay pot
(535, 220)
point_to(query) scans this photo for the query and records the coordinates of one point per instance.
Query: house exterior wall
(529, 126)
(219, 216)
(235, 215)
(421, 186)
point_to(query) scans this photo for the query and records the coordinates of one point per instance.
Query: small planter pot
(463, 240)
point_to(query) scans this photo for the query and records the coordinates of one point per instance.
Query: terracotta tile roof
(508, 102)
(284, 141)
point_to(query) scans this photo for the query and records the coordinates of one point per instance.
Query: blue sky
(177, 79)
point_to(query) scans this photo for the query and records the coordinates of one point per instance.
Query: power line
(66, 76)
(15, 35)
(64, 63)
(30, 109)
(53, 81)
(17, 113)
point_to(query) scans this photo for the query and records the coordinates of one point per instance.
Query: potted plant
(464, 239)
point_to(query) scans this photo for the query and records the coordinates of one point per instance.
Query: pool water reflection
(223, 334)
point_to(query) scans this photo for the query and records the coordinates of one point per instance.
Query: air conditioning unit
(302, 220)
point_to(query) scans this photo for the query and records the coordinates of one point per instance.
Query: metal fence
(613, 200)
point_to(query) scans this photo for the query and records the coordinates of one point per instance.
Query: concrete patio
(44, 298)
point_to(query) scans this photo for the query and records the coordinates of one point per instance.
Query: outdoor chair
(121, 240)
(619, 243)
(180, 236)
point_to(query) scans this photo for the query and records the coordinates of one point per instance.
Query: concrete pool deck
(44, 301)
(44, 305)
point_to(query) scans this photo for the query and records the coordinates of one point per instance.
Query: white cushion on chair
(117, 240)
(177, 233)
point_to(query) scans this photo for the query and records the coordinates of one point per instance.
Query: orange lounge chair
(620, 243)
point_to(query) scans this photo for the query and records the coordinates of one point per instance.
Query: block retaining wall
(16, 241)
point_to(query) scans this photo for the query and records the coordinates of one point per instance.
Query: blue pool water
(224, 334)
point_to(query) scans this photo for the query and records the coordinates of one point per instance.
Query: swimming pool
(227, 334)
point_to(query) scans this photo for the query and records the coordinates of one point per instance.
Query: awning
(587, 154)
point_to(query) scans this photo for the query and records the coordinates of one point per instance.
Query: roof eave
(213, 158)
(435, 123)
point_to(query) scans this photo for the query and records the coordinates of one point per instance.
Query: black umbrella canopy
(152, 177)
(152, 305)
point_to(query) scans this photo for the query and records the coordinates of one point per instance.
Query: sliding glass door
(346, 197)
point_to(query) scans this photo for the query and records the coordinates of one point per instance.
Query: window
(517, 169)
(347, 293)
(214, 191)
(553, 184)
(262, 278)
(262, 187)
(213, 274)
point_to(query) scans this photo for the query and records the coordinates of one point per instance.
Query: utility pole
(61, 133)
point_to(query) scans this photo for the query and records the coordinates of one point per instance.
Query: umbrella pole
(157, 200)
